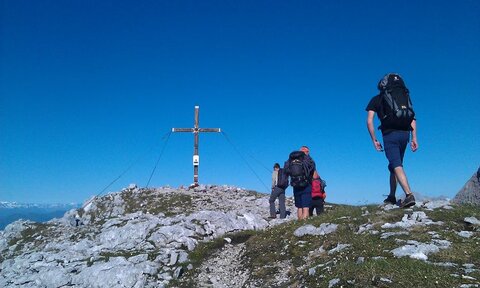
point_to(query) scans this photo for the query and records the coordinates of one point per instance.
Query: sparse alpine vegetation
(219, 236)
(350, 246)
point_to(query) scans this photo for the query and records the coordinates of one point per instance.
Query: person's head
(276, 166)
(315, 174)
(305, 150)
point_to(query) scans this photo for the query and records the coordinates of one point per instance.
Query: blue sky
(88, 87)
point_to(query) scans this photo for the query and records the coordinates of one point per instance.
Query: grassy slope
(279, 245)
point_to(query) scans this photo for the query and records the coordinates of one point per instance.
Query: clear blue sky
(88, 87)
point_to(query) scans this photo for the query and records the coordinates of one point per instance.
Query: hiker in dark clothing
(396, 127)
(278, 191)
(300, 167)
(78, 220)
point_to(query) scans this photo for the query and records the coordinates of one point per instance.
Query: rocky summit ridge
(149, 237)
(133, 238)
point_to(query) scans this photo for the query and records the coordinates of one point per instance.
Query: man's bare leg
(393, 184)
(306, 212)
(402, 179)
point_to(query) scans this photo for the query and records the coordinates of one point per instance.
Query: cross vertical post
(196, 130)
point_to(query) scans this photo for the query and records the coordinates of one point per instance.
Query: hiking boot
(390, 200)
(409, 201)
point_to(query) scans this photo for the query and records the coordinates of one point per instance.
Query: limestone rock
(124, 239)
(325, 228)
(420, 251)
(470, 192)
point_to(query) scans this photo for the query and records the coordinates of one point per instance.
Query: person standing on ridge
(300, 167)
(279, 184)
(394, 109)
(318, 195)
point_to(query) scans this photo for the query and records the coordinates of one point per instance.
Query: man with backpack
(279, 184)
(394, 109)
(300, 167)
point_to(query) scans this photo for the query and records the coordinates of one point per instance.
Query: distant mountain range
(12, 211)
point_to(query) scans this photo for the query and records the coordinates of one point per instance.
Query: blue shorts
(303, 197)
(395, 144)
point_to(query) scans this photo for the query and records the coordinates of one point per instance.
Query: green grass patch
(125, 254)
(144, 200)
(279, 244)
(402, 272)
(148, 201)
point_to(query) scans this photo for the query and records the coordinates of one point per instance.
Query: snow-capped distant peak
(6, 204)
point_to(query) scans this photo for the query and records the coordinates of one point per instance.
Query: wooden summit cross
(196, 130)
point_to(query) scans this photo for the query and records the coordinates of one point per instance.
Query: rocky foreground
(134, 238)
(145, 238)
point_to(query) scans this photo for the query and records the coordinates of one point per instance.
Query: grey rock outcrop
(325, 228)
(133, 238)
(417, 250)
(470, 192)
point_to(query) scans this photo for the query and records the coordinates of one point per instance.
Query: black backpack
(282, 179)
(297, 170)
(396, 105)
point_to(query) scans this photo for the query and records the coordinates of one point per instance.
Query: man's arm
(312, 166)
(371, 130)
(274, 178)
(414, 143)
(309, 166)
(285, 167)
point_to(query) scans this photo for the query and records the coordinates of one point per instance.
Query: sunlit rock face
(470, 192)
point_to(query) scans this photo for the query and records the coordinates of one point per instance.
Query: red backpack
(317, 189)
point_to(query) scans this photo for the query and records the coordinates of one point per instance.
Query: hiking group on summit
(394, 109)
